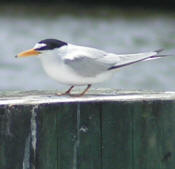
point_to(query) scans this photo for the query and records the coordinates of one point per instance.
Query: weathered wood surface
(98, 95)
(106, 130)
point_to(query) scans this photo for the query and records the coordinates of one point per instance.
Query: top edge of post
(96, 95)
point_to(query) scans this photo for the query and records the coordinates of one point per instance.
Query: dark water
(117, 32)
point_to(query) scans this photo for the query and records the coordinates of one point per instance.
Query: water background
(109, 29)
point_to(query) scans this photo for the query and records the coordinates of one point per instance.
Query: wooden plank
(154, 136)
(72, 144)
(56, 136)
(44, 155)
(116, 136)
(14, 132)
(67, 136)
(89, 136)
(3, 160)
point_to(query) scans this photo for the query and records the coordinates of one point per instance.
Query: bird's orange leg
(66, 92)
(81, 94)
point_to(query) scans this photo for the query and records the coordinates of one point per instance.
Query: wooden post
(106, 130)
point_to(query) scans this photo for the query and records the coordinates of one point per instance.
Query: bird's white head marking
(39, 45)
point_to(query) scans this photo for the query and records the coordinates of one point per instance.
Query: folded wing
(88, 64)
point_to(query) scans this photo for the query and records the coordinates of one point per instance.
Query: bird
(76, 65)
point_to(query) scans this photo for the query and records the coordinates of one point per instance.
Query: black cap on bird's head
(47, 44)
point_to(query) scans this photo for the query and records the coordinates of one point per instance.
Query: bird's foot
(65, 93)
(75, 95)
(80, 94)
(61, 94)
(68, 92)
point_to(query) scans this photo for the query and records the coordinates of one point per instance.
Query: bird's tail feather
(131, 58)
(157, 55)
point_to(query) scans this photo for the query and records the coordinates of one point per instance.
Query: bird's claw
(61, 94)
(69, 94)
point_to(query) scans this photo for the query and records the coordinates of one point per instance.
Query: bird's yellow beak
(30, 52)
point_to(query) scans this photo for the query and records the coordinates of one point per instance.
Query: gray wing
(88, 62)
